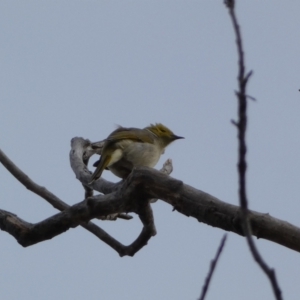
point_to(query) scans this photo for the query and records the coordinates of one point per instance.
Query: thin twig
(242, 162)
(212, 267)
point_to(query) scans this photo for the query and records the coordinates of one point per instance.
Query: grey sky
(77, 68)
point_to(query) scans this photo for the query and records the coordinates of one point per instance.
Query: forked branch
(142, 185)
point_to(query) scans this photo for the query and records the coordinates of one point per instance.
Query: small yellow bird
(126, 148)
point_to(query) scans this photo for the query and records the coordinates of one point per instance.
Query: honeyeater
(126, 148)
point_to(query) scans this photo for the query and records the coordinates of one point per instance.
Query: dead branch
(241, 94)
(213, 265)
(133, 195)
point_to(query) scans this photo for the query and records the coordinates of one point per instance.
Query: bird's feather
(137, 135)
(102, 164)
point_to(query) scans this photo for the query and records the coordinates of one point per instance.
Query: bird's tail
(101, 165)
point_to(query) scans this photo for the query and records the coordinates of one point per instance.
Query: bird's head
(163, 134)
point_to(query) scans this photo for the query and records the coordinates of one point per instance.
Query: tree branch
(243, 79)
(144, 184)
(28, 234)
(213, 265)
(53, 200)
(35, 233)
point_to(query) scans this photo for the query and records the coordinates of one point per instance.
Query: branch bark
(142, 185)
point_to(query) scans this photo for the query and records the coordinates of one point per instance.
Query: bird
(126, 148)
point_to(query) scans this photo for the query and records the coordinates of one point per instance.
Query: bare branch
(30, 184)
(146, 183)
(53, 200)
(81, 150)
(212, 267)
(242, 162)
(28, 234)
(202, 206)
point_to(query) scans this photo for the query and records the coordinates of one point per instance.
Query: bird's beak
(176, 137)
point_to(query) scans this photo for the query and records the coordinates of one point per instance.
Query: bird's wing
(133, 134)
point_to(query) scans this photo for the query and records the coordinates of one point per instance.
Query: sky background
(78, 68)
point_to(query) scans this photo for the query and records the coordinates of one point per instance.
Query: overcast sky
(78, 68)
